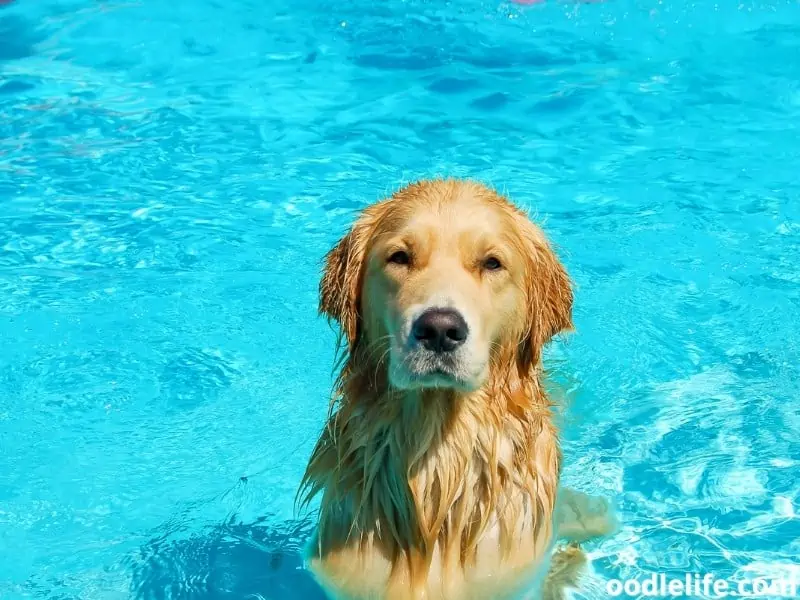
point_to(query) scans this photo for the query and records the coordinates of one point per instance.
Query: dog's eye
(492, 264)
(399, 258)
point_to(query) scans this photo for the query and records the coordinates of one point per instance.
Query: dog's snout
(440, 329)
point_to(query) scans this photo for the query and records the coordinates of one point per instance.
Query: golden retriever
(439, 465)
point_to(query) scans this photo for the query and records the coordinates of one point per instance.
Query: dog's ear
(549, 296)
(340, 287)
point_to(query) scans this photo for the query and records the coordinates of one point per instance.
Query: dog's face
(444, 284)
(444, 280)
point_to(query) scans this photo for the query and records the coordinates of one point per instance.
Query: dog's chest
(367, 570)
(484, 530)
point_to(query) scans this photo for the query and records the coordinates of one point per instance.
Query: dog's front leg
(580, 517)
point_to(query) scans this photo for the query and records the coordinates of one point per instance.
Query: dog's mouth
(421, 361)
(436, 379)
(440, 382)
(420, 369)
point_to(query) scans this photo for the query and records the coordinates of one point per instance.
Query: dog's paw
(581, 517)
(566, 568)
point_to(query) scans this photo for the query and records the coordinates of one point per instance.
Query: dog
(439, 465)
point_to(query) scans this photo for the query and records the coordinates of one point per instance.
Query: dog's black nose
(440, 329)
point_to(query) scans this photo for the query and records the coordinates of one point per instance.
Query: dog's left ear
(340, 287)
(549, 292)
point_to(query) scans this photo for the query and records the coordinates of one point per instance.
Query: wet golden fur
(429, 488)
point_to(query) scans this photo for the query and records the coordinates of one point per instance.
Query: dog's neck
(415, 468)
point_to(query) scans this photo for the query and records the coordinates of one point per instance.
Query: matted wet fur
(439, 465)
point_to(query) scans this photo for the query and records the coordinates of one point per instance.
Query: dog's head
(443, 281)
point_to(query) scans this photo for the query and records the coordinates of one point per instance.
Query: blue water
(171, 174)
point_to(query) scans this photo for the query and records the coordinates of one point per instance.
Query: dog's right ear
(340, 288)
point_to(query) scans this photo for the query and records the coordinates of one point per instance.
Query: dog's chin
(428, 372)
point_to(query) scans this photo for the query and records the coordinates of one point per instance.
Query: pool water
(171, 174)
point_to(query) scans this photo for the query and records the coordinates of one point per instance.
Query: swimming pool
(171, 174)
